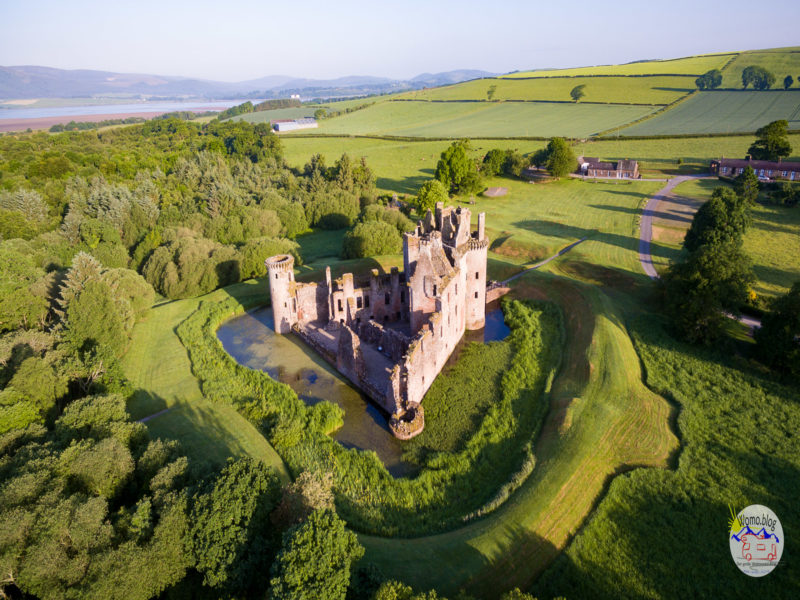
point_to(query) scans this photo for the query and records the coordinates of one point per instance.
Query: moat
(251, 340)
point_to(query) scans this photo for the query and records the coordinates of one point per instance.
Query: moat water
(251, 340)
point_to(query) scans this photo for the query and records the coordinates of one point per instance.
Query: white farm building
(292, 124)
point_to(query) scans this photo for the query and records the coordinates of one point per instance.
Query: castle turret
(280, 269)
(475, 300)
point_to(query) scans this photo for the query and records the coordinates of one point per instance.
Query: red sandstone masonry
(394, 332)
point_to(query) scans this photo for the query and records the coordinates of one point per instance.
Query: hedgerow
(451, 485)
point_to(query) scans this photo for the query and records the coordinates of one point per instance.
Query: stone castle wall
(392, 334)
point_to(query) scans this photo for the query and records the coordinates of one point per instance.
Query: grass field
(780, 61)
(265, 116)
(403, 167)
(473, 119)
(602, 418)
(623, 90)
(723, 112)
(692, 65)
(772, 241)
(157, 364)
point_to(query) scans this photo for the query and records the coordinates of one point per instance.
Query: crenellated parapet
(392, 333)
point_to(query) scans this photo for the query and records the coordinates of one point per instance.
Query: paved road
(646, 225)
(646, 236)
(544, 262)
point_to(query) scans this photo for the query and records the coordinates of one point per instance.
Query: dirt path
(154, 415)
(543, 262)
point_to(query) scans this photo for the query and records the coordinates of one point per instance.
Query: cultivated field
(780, 61)
(692, 65)
(723, 112)
(622, 90)
(481, 119)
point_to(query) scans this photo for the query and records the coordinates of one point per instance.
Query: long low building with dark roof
(765, 169)
(621, 169)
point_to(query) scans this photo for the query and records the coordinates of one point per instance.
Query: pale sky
(235, 40)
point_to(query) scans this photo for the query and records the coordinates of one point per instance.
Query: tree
(19, 306)
(490, 92)
(772, 141)
(231, 539)
(560, 158)
(778, 338)
(710, 80)
(309, 492)
(457, 171)
(493, 162)
(724, 218)
(787, 82)
(95, 319)
(320, 114)
(713, 280)
(758, 76)
(372, 238)
(577, 92)
(746, 185)
(429, 194)
(315, 559)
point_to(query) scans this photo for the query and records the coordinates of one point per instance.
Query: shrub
(372, 238)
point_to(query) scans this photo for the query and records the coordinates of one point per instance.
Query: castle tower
(477, 248)
(280, 269)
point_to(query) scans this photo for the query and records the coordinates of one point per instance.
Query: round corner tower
(476, 255)
(280, 269)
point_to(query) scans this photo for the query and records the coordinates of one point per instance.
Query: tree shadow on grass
(406, 185)
(143, 403)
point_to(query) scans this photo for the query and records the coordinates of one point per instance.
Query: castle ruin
(390, 335)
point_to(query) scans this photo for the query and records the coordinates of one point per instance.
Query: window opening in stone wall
(366, 301)
(476, 294)
(388, 298)
(477, 276)
(402, 297)
(434, 289)
(359, 302)
(340, 303)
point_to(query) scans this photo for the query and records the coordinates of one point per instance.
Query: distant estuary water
(251, 340)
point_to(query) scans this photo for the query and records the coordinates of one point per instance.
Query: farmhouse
(622, 169)
(390, 335)
(292, 124)
(765, 169)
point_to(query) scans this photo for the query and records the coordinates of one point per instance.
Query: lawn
(208, 433)
(534, 221)
(723, 112)
(780, 61)
(692, 65)
(622, 90)
(484, 119)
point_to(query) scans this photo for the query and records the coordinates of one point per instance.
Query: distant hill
(46, 82)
